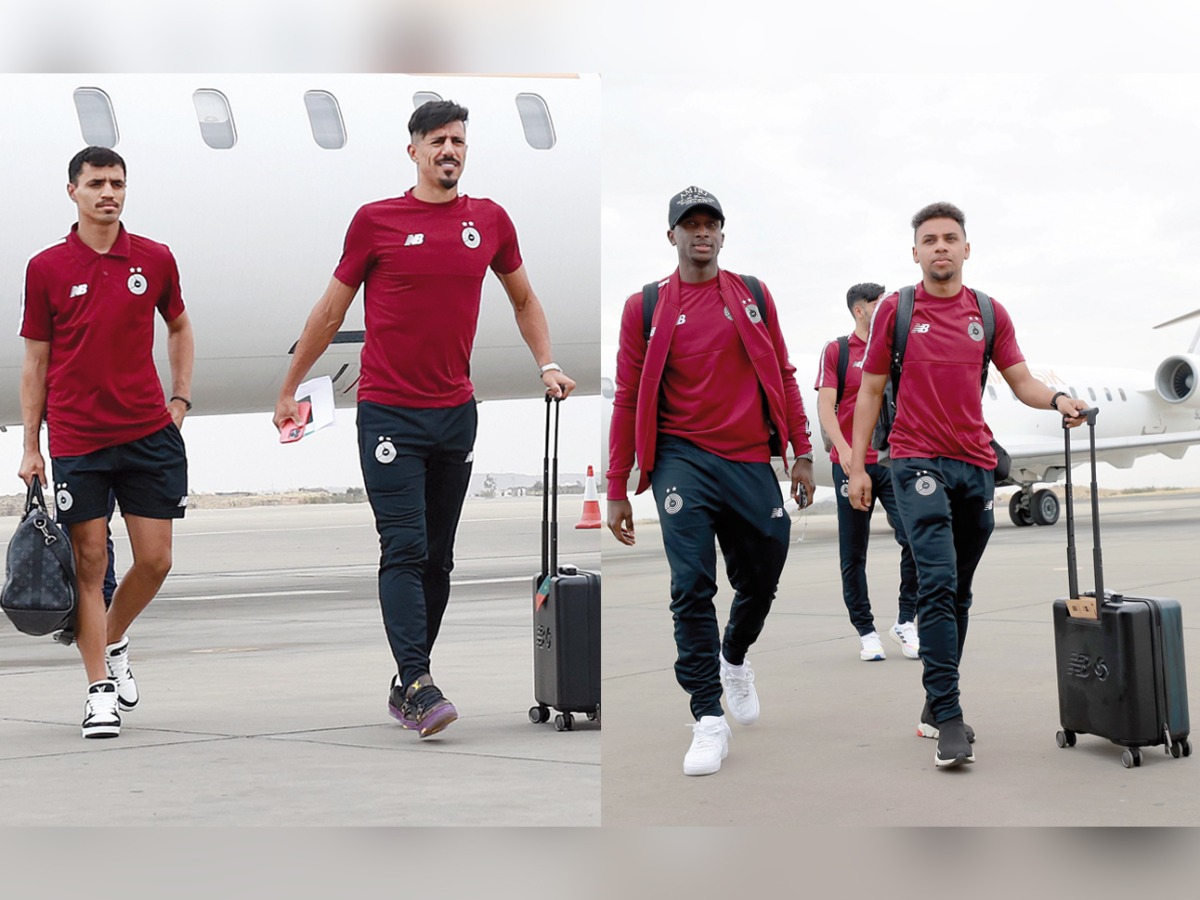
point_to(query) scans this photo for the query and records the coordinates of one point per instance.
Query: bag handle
(550, 494)
(1097, 559)
(34, 496)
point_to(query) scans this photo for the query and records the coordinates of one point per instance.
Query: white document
(319, 393)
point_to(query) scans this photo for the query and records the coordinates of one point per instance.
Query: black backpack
(891, 390)
(39, 591)
(843, 364)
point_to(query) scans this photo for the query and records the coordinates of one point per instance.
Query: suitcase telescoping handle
(1097, 559)
(550, 495)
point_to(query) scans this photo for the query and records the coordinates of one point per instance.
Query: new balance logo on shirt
(413, 239)
(78, 290)
(920, 328)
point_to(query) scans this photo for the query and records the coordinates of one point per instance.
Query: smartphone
(292, 430)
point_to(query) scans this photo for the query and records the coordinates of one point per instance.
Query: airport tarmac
(837, 744)
(264, 670)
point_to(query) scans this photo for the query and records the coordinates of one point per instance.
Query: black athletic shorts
(148, 476)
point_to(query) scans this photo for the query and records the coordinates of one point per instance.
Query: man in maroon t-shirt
(88, 322)
(854, 525)
(422, 258)
(702, 403)
(942, 460)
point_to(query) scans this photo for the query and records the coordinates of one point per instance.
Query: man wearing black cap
(705, 397)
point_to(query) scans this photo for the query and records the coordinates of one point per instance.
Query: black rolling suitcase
(566, 618)
(1119, 659)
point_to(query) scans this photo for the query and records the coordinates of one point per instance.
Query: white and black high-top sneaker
(116, 657)
(100, 716)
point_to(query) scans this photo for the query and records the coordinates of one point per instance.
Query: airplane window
(1108, 393)
(535, 119)
(424, 97)
(1091, 393)
(991, 392)
(96, 118)
(1121, 391)
(215, 118)
(607, 390)
(1074, 395)
(325, 117)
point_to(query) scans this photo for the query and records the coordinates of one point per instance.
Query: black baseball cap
(690, 198)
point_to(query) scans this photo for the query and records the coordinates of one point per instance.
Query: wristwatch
(807, 456)
(1054, 399)
(187, 404)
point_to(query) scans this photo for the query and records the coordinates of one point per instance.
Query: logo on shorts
(752, 312)
(413, 240)
(63, 499)
(182, 501)
(470, 236)
(925, 485)
(987, 507)
(470, 456)
(137, 283)
(975, 332)
(672, 503)
(385, 452)
(845, 489)
(777, 512)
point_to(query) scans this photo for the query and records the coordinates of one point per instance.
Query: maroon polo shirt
(97, 313)
(939, 412)
(423, 266)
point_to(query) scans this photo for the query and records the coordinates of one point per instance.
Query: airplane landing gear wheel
(1019, 511)
(1044, 508)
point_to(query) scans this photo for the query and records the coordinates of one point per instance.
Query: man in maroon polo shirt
(88, 322)
(422, 258)
(702, 403)
(940, 446)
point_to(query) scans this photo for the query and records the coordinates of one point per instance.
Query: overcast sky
(1078, 191)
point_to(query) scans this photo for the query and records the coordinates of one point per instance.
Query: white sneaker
(100, 716)
(116, 657)
(872, 647)
(710, 745)
(906, 636)
(738, 682)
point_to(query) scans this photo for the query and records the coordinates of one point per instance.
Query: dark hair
(100, 157)
(939, 210)
(434, 114)
(868, 290)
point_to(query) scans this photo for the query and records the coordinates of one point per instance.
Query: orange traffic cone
(591, 503)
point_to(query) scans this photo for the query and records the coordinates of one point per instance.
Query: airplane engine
(1178, 379)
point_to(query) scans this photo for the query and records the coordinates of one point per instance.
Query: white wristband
(549, 367)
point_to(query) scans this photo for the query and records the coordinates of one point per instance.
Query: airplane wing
(1036, 453)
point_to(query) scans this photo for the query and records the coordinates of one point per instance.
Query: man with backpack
(942, 458)
(838, 378)
(705, 397)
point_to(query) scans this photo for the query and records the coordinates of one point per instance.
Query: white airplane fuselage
(257, 229)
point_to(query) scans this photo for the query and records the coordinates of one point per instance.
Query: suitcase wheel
(564, 722)
(1131, 758)
(1176, 749)
(1187, 747)
(1065, 738)
(539, 714)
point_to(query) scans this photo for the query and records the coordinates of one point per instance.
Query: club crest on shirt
(752, 312)
(672, 503)
(137, 283)
(975, 331)
(728, 314)
(470, 236)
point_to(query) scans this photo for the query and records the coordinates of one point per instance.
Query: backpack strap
(843, 364)
(988, 315)
(900, 326)
(650, 300)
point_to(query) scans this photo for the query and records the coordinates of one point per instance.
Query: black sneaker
(928, 728)
(425, 705)
(953, 749)
(399, 708)
(100, 716)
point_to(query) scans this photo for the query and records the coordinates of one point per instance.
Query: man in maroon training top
(942, 459)
(702, 403)
(88, 323)
(422, 258)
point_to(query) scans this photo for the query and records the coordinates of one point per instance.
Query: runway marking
(255, 594)
(493, 580)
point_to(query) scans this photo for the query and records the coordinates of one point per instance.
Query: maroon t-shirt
(97, 313)
(423, 266)
(710, 393)
(940, 408)
(827, 378)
